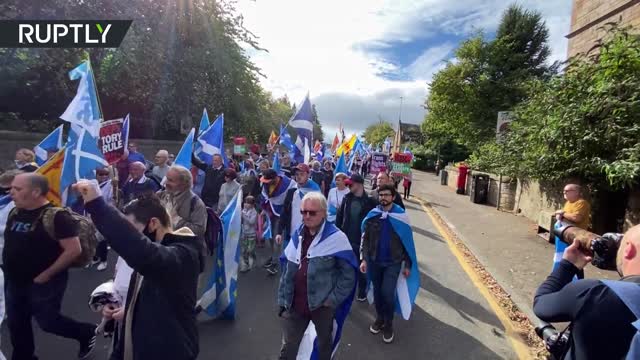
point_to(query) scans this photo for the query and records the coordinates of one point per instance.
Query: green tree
(585, 123)
(376, 133)
(176, 59)
(488, 77)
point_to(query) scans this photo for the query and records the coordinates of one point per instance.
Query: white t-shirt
(334, 200)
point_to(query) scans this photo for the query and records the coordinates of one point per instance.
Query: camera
(557, 343)
(604, 248)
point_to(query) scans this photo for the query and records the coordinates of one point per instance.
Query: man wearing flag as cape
(388, 256)
(317, 284)
(274, 192)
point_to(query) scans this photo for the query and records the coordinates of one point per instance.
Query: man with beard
(184, 207)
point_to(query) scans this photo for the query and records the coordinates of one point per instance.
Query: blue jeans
(384, 279)
(26, 300)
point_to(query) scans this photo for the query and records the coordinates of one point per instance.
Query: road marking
(520, 348)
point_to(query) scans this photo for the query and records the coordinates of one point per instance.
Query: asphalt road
(452, 320)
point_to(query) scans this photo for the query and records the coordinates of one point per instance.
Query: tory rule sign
(111, 142)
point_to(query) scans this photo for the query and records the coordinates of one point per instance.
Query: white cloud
(316, 46)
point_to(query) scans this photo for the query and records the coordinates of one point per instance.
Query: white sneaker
(102, 266)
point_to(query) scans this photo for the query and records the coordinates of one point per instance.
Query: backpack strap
(48, 220)
(629, 294)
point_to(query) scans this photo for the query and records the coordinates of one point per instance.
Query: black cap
(355, 178)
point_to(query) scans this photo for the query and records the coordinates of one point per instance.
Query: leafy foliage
(377, 133)
(487, 77)
(585, 123)
(178, 57)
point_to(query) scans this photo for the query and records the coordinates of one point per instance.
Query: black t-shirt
(28, 249)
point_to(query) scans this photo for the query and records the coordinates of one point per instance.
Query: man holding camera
(601, 322)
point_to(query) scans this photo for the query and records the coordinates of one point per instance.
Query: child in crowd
(248, 246)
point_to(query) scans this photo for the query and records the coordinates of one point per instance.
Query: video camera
(604, 248)
(555, 341)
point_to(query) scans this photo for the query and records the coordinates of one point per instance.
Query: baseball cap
(268, 175)
(303, 167)
(355, 178)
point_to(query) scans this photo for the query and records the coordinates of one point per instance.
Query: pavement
(453, 318)
(505, 244)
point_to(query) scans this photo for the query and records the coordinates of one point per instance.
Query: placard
(378, 163)
(111, 141)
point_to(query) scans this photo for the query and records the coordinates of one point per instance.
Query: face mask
(150, 234)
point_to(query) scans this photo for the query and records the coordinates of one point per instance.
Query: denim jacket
(328, 278)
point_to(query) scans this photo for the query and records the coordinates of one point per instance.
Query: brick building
(588, 16)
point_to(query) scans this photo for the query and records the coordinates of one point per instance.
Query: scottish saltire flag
(53, 143)
(302, 122)
(274, 200)
(285, 139)
(219, 300)
(406, 288)
(200, 175)
(81, 158)
(212, 141)
(204, 125)
(267, 234)
(84, 109)
(341, 167)
(276, 162)
(560, 246)
(184, 155)
(329, 242)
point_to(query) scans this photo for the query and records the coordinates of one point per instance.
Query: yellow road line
(520, 348)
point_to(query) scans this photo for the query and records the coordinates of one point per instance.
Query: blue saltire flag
(212, 142)
(267, 234)
(276, 162)
(274, 200)
(197, 149)
(81, 159)
(302, 122)
(53, 143)
(285, 139)
(204, 125)
(629, 293)
(184, 155)
(406, 288)
(560, 247)
(320, 153)
(219, 300)
(329, 242)
(84, 109)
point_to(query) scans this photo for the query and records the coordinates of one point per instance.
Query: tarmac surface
(452, 318)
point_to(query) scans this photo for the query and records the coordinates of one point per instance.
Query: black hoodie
(164, 321)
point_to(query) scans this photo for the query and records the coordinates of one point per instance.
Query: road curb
(519, 326)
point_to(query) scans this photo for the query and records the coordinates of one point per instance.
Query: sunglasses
(309, 212)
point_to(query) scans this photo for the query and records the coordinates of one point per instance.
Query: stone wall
(507, 192)
(588, 16)
(535, 201)
(14, 140)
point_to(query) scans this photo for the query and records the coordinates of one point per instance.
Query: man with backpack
(603, 313)
(41, 243)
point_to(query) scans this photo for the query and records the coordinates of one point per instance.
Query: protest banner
(378, 163)
(111, 141)
(401, 164)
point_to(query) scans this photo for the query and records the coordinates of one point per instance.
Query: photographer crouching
(601, 312)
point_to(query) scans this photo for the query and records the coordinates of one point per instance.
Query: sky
(358, 58)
